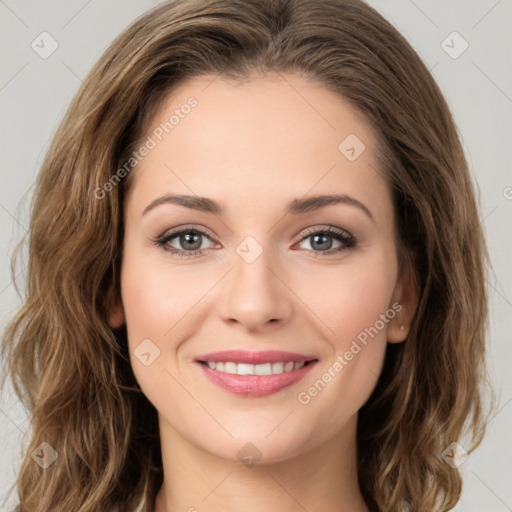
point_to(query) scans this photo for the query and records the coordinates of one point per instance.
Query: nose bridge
(255, 295)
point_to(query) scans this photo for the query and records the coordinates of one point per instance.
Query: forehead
(270, 138)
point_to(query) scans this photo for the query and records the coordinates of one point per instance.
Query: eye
(189, 241)
(321, 240)
(186, 242)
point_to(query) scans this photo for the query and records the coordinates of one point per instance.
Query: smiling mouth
(274, 368)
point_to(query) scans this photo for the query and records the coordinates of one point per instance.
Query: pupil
(188, 239)
(322, 245)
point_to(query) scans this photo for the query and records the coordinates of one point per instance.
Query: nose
(256, 295)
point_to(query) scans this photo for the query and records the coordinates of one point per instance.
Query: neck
(323, 479)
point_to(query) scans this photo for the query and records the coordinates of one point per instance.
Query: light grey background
(35, 91)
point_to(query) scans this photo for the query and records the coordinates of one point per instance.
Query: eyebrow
(294, 207)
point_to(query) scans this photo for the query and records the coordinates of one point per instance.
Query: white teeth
(263, 369)
(230, 367)
(254, 369)
(243, 369)
(277, 367)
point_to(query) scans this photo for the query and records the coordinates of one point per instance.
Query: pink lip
(252, 357)
(255, 385)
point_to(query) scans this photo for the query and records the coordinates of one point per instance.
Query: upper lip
(254, 357)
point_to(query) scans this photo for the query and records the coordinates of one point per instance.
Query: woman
(256, 275)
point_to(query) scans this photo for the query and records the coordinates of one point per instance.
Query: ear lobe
(405, 294)
(116, 316)
(115, 312)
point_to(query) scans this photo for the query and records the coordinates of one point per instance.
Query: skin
(253, 148)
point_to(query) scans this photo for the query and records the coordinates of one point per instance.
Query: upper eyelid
(174, 232)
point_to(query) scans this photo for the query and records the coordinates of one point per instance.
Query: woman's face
(254, 269)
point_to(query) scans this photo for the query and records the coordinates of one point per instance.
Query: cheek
(155, 300)
(350, 298)
(152, 305)
(354, 302)
(155, 308)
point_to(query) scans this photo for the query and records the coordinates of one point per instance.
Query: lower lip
(255, 385)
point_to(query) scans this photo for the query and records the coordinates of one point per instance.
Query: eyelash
(348, 241)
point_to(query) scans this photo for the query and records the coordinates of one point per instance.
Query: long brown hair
(72, 370)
